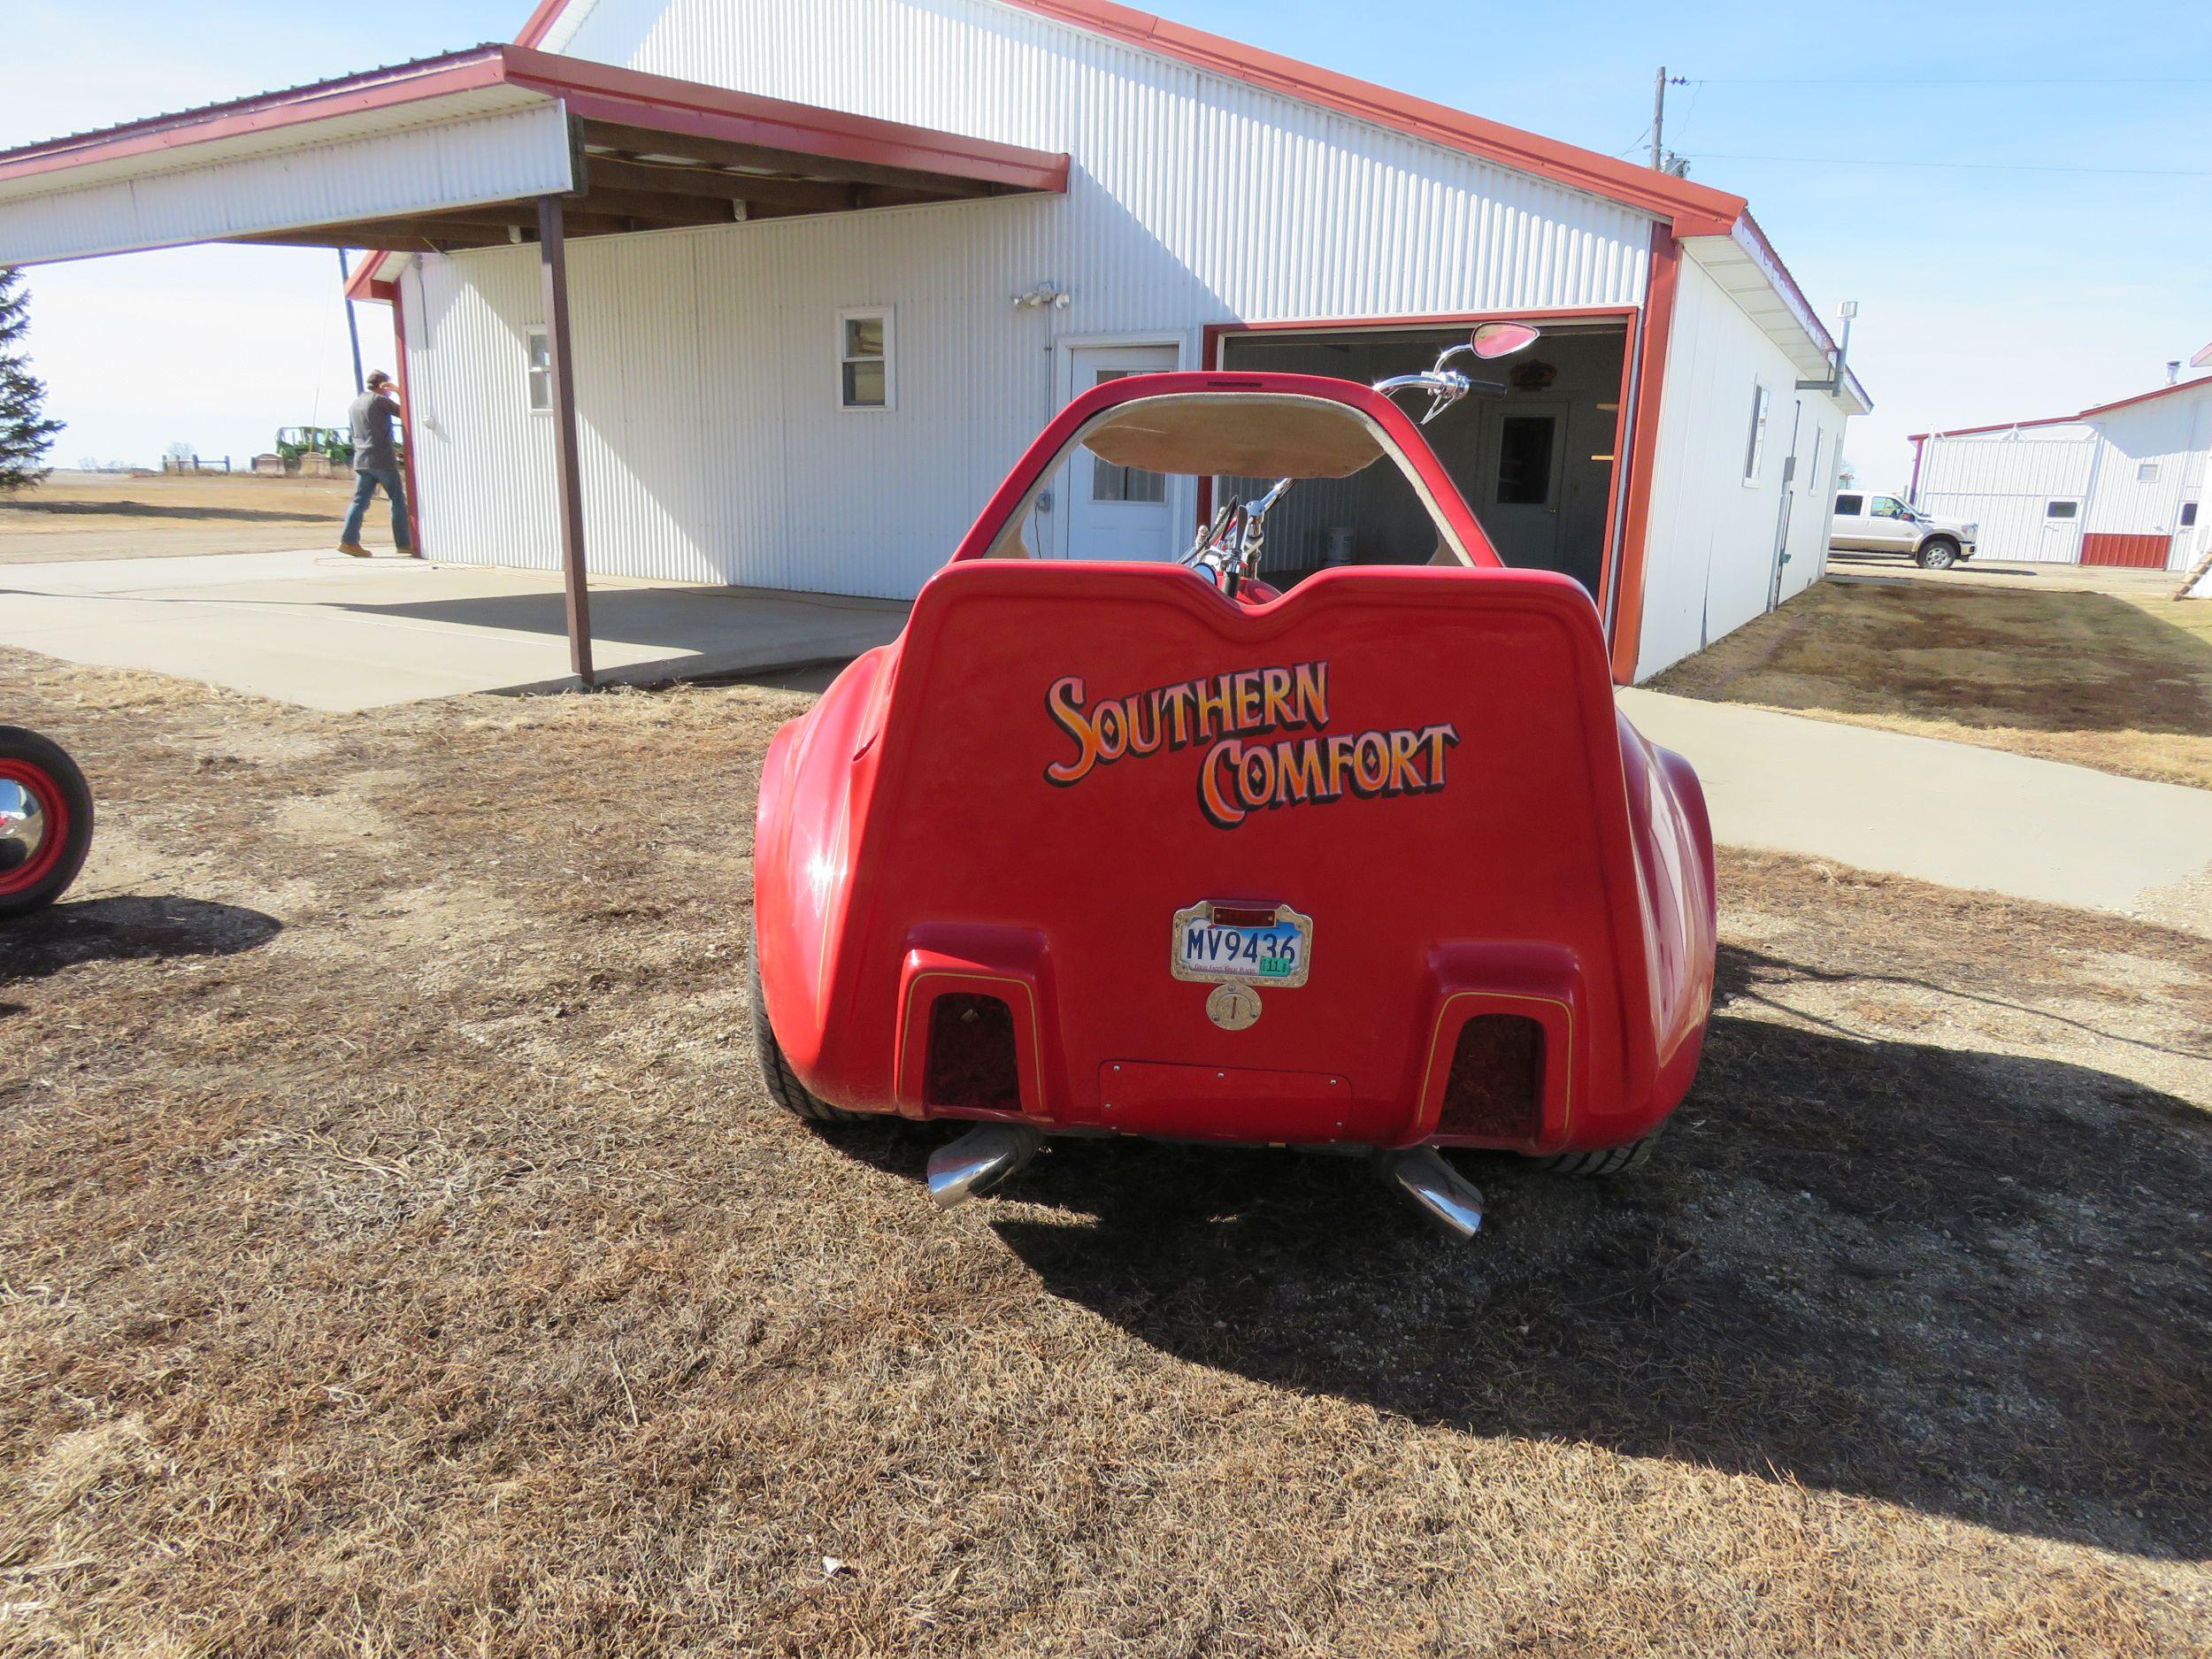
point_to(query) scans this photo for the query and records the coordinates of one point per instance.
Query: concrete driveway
(1951, 813)
(332, 633)
(329, 632)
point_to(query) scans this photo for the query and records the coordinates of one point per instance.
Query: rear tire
(49, 830)
(1603, 1164)
(1937, 554)
(776, 1075)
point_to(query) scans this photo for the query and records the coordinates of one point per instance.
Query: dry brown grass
(99, 514)
(401, 1258)
(2119, 682)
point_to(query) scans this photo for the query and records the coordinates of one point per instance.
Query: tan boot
(353, 549)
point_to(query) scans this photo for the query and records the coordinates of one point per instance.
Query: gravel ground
(399, 1256)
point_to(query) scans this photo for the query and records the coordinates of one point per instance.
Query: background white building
(2119, 484)
(832, 263)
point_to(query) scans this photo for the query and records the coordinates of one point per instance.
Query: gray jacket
(375, 447)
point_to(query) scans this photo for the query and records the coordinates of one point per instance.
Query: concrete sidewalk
(1944, 812)
(328, 632)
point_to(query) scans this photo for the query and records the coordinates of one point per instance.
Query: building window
(2147, 472)
(864, 379)
(538, 375)
(2188, 514)
(2061, 509)
(1755, 446)
(1850, 506)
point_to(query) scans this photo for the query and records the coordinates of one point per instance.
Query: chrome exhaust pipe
(986, 1155)
(1420, 1175)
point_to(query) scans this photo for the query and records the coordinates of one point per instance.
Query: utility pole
(1678, 168)
(353, 329)
(1658, 119)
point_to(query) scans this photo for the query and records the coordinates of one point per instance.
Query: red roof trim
(382, 89)
(542, 18)
(607, 92)
(1699, 208)
(2144, 397)
(589, 88)
(365, 284)
(2197, 385)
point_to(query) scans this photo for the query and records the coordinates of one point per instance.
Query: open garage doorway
(1537, 465)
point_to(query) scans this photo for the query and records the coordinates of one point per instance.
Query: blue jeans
(365, 483)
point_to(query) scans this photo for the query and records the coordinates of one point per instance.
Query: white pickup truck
(1868, 523)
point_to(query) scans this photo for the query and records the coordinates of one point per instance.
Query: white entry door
(1523, 462)
(2060, 541)
(1116, 512)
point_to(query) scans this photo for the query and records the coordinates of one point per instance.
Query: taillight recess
(971, 1059)
(1495, 1091)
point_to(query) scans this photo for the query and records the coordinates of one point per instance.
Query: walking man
(375, 461)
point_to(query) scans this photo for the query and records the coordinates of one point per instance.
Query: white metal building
(2119, 484)
(775, 292)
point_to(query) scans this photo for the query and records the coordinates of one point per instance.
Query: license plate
(1257, 944)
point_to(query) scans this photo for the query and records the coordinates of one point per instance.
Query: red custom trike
(1372, 863)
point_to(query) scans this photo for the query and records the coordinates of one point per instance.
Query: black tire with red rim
(45, 821)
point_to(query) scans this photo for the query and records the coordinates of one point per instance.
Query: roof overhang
(2177, 389)
(451, 153)
(1744, 264)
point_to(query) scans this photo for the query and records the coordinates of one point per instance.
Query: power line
(1914, 82)
(1973, 166)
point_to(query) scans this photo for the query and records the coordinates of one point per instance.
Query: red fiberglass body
(981, 856)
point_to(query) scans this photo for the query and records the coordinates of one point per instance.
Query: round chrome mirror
(1501, 340)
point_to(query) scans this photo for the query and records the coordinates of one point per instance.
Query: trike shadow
(1971, 1283)
(125, 928)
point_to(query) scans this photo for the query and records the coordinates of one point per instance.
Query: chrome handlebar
(1445, 387)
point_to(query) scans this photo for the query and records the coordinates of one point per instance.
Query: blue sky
(1987, 293)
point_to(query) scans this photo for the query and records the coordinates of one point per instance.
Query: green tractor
(292, 442)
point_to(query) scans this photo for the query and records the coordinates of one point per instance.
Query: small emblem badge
(1232, 1005)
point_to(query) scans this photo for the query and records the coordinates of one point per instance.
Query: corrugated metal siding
(446, 164)
(1194, 199)
(712, 448)
(2167, 439)
(1275, 207)
(1710, 556)
(2004, 482)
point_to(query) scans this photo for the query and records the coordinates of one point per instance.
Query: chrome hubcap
(22, 825)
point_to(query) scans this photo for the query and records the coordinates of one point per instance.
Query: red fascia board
(1697, 209)
(1653, 337)
(436, 77)
(365, 284)
(2144, 398)
(542, 18)
(607, 92)
(2068, 420)
(1995, 426)
(589, 88)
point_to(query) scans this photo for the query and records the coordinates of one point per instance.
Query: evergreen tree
(26, 434)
